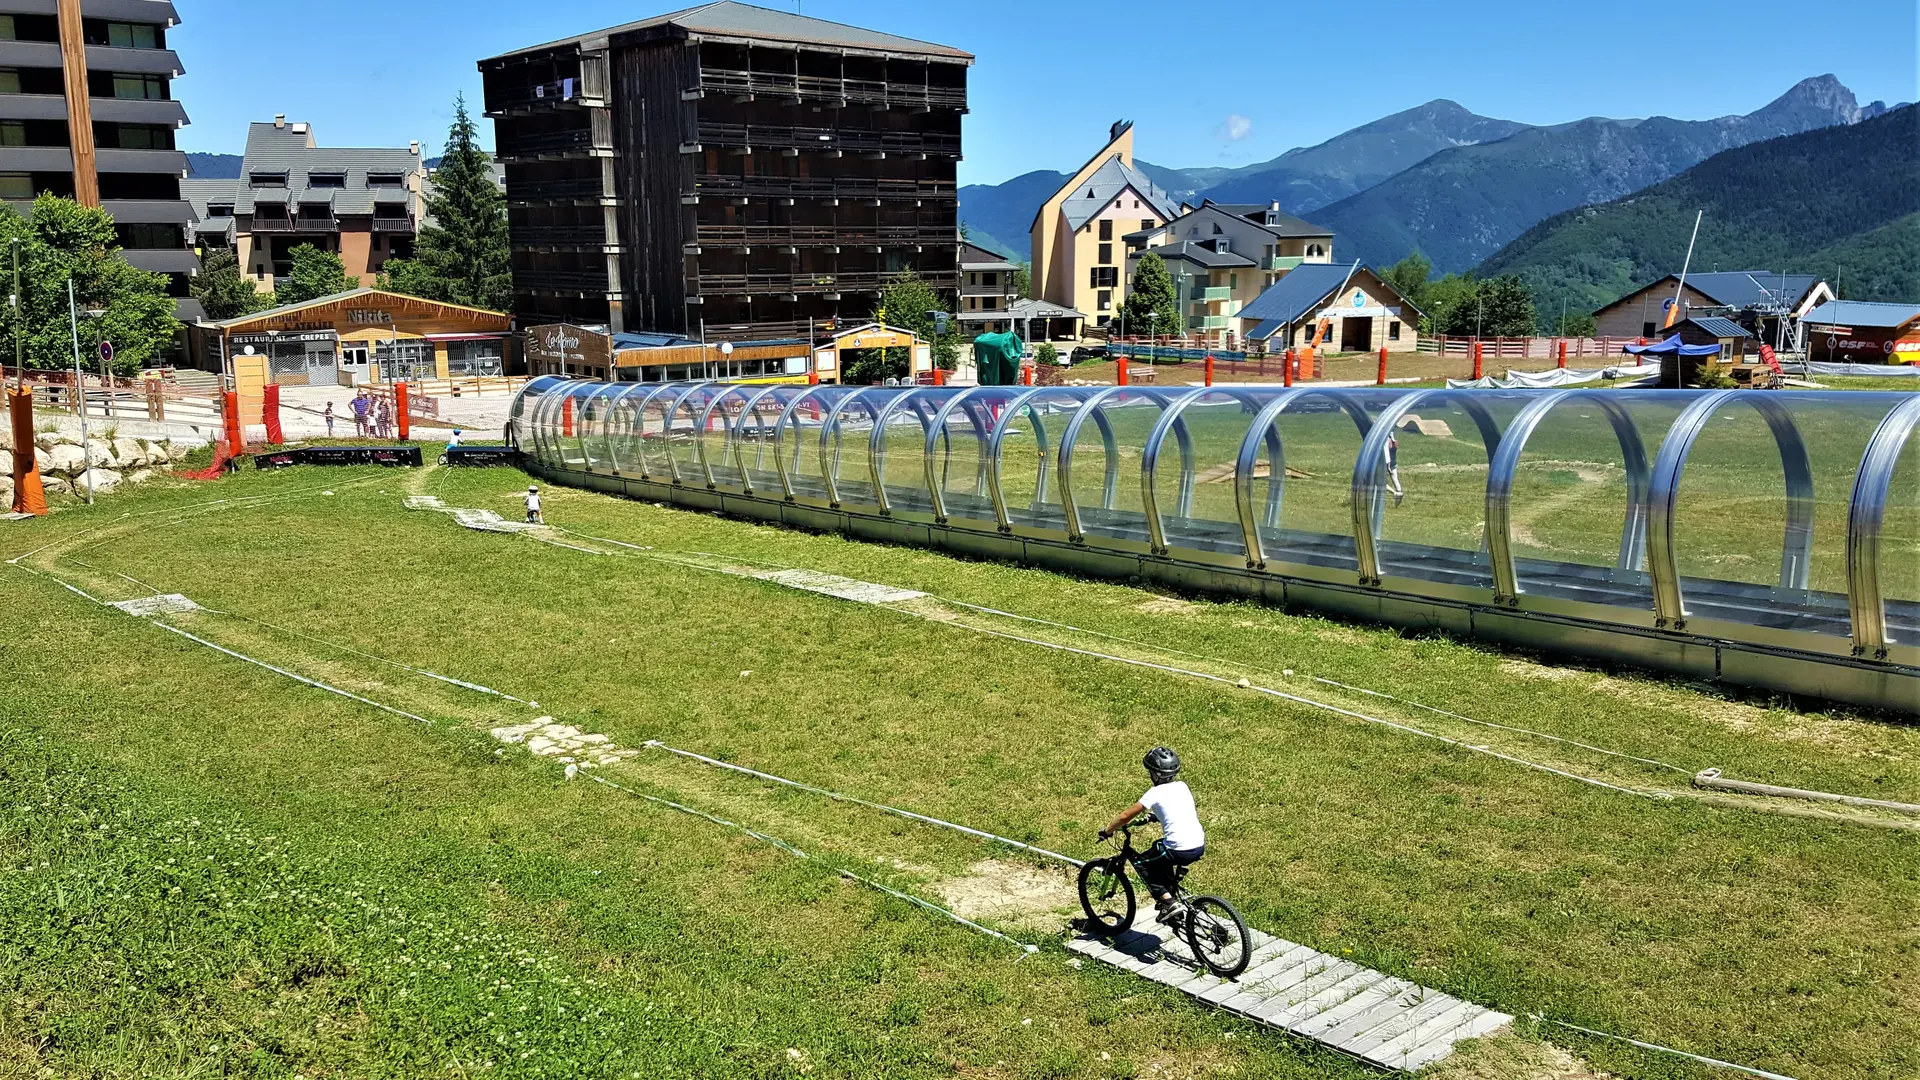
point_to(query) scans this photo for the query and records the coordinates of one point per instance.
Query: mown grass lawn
(640, 940)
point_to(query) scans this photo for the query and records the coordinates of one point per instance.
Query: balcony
(529, 192)
(152, 211)
(791, 187)
(821, 235)
(777, 137)
(1210, 322)
(1213, 294)
(559, 93)
(394, 225)
(788, 86)
(112, 160)
(760, 283)
(573, 142)
(1283, 262)
(565, 281)
(133, 61)
(562, 235)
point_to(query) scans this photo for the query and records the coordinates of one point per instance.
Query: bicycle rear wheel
(1106, 895)
(1218, 936)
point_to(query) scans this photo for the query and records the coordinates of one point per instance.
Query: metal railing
(547, 142)
(827, 88)
(558, 92)
(562, 280)
(562, 234)
(807, 187)
(555, 190)
(394, 225)
(822, 235)
(814, 138)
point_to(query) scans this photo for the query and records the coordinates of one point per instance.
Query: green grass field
(213, 870)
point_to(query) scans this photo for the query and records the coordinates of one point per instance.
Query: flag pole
(1684, 267)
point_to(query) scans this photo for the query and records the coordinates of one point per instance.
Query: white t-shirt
(533, 503)
(1172, 806)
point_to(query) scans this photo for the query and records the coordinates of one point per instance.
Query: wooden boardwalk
(1380, 1020)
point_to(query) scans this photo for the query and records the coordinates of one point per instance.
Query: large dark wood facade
(715, 178)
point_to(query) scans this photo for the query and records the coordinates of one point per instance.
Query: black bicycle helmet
(1162, 764)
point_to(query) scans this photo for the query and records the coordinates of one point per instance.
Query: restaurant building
(367, 335)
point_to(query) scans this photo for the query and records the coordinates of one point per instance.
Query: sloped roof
(728, 19)
(1040, 309)
(1753, 288)
(1304, 289)
(350, 294)
(1719, 326)
(1863, 313)
(290, 150)
(1283, 223)
(1112, 178)
(976, 257)
(1201, 255)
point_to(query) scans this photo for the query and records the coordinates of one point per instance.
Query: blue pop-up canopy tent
(1679, 362)
(1673, 346)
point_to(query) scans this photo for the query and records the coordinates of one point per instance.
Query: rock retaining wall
(65, 463)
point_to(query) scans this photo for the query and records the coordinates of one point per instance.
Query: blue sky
(1212, 82)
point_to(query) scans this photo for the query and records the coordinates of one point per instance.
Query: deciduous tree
(224, 291)
(315, 273)
(66, 241)
(908, 303)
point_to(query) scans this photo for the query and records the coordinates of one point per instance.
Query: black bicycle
(1210, 925)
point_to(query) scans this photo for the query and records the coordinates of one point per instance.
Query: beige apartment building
(1079, 254)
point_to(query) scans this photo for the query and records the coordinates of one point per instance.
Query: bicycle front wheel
(1218, 936)
(1106, 895)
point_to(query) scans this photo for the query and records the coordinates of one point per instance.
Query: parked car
(1083, 353)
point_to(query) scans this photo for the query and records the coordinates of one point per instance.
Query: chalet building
(986, 290)
(1078, 253)
(727, 171)
(86, 112)
(1757, 299)
(1860, 332)
(1363, 311)
(363, 204)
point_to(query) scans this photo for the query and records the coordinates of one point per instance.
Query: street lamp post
(80, 392)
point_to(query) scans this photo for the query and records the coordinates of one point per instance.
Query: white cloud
(1234, 128)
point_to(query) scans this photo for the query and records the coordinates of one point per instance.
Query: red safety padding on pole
(270, 411)
(29, 496)
(939, 375)
(1123, 379)
(1382, 379)
(1478, 365)
(566, 417)
(1209, 369)
(1286, 368)
(230, 414)
(1563, 352)
(1026, 375)
(400, 409)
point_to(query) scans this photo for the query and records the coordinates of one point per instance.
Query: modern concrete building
(86, 111)
(1078, 257)
(986, 290)
(363, 204)
(727, 171)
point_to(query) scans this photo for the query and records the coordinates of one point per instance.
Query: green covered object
(997, 357)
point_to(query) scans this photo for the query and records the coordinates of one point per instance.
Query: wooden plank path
(1380, 1020)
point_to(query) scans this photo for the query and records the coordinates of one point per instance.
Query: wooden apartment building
(727, 171)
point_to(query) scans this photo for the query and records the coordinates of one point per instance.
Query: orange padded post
(1477, 360)
(230, 409)
(1286, 369)
(1381, 380)
(1123, 379)
(1563, 352)
(1209, 369)
(270, 412)
(400, 409)
(29, 497)
(566, 417)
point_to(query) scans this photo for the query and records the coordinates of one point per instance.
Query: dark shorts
(1159, 866)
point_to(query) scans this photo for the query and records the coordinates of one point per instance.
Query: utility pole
(80, 391)
(19, 327)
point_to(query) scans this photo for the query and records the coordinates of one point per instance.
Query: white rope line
(315, 683)
(838, 797)
(351, 651)
(1318, 679)
(797, 853)
(1716, 1062)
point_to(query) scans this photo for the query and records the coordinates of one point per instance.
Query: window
(327, 179)
(219, 209)
(7, 31)
(1106, 230)
(9, 80)
(1106, 254)
(267, 179)
(1105, 300)
(148, 235)
(1103, 277)
(1646, 330)
(1233, 281)
(1217, 230)
(1393, 330)
(140, 87)
(133, 35)
(16, 185)
(1145, 224)
(385, 179)
(1136, 204)
(13, 133)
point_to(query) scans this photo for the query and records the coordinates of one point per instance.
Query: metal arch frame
(1265, 428)
(1866, 514)
(1110, 490)
(640, 424)
(1505, 465)
(706, 424)
(545, 428)
(938, 428)
(666, 427)
(996, 443)
(877, 440)
(1796, 553)
(732, 445)
(1369, 494)
(780, 437)
(517, 410)
(613, 414)
(580, 425)
(1172, 419)
(694, 426)
(829, 434)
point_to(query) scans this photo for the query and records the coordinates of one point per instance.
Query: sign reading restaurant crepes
(564, 343)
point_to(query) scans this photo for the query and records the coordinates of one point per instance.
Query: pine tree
(1151, 306)
(463, 256)
(223, 290)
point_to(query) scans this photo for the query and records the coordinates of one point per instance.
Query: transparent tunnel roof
(1792, 512)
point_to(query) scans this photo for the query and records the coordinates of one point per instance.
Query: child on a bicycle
(1182, 843)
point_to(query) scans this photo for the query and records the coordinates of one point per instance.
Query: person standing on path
(360, 415)
(329, 419)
